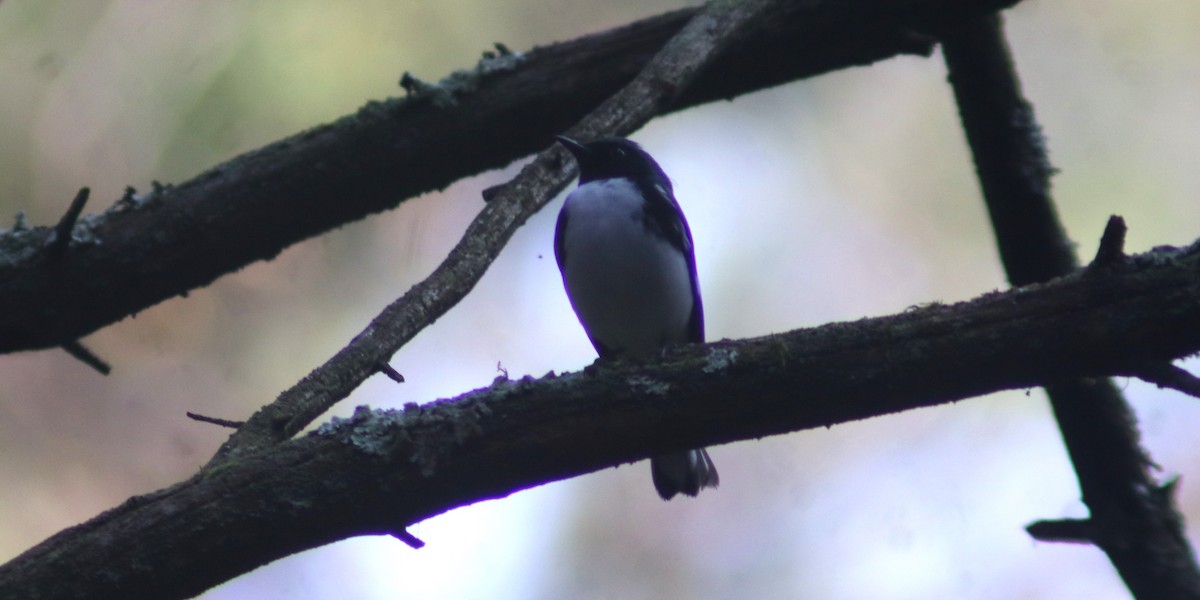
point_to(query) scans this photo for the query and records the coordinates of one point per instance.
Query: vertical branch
(1133, 520)
(1010, 153)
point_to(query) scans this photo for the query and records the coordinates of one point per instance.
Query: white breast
(631, 290)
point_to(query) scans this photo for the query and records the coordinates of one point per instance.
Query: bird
(628, 264)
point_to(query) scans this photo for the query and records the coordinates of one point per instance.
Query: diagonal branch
(658, 85)
(380, 471)
(154, 246)
(1166, 375)
(1132, 519)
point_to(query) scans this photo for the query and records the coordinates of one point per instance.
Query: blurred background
(845, 196)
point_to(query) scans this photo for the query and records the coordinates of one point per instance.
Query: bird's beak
(575, 147)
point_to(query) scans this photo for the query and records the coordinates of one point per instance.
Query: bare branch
(79, 352)
(1071, 531)
(60, 238)
(409, 539)
(379, 471)
(154, 246)
(658, 85)
(1166, 375)
(1112, 244)
(391, 373)
(214, 420)
(1139, 529)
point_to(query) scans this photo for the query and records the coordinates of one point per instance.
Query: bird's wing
(560, 227)
(664, 217)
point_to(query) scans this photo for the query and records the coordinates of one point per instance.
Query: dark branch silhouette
(1133, 519)
(666, 76)
(151, 247)
(1112, 244)
(266, 495)
(380, 471)
(1169, 376)
(60, 236)
(75, 349)
(214, 420)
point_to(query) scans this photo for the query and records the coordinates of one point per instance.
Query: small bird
(627, 262)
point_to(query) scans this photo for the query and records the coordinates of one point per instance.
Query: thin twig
(656, 87)
(79, 352)
(214, 420)
(1172, 377)
(391, 373)
(1074, 531)
(1112, 244)
(60, 238)
(413, 541)
(56, 247)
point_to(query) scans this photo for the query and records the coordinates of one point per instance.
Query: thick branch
(670, 73)
(380, 471)
(1132, 520)
(149, 248)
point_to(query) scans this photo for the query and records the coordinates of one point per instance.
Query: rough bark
(669, 74)
(379, 472)
(1132, 518)
(154, 246)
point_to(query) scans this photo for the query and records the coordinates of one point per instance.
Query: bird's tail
(683, 472)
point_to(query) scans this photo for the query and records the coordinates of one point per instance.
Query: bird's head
(612, 157)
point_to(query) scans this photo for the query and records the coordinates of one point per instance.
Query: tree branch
(666, 76)
(214, 420)
(60, 236)
(1132, 520)
(150, 247)
(1112, 244)
(1069, 531)
(1166, 375)
(1009, 151)
(382, 470)
(75, 349)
